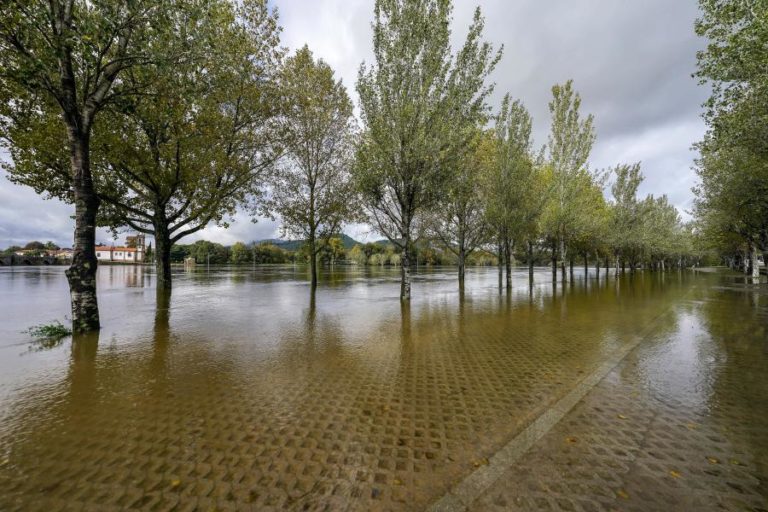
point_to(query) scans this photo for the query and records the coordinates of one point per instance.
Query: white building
(123, 254)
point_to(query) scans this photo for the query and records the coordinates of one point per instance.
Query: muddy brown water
(241, 392)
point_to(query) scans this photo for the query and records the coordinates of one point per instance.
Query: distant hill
(294, 245)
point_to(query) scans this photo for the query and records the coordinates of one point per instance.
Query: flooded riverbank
(240, 391)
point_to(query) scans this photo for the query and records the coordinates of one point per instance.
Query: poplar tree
(732, 196)
(511, 191)
(570, 143)
(420, 104)
(459, 221)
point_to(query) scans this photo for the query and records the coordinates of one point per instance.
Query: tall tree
(570, 143)
(311, 190)
(459, 220)
(732, 204)
(196, 141)
(627, 212)
(420, 105)
(69, 56)
(510, 185)
(201, 140)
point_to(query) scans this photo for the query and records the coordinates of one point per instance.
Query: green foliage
(420, 104)
(568, 177)
(270, 253)
(52, 332)
(310, 189)
(199, 142)
(731, 206)
(459, 221)
(513, 185)
(239, 253)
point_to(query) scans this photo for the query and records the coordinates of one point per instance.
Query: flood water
(239, 391)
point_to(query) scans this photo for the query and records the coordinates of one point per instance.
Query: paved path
(681, 423)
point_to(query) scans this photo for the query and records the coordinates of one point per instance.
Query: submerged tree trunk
(554, 263)
(754, 263)
(563, 278)
(570, 267)
(508, 261)
(530, 261)
(586, 264)
(312, 261)
(462, 258)
(597, 265)
(162, 250)
(500, 263)
(82, 272)
(405, 271)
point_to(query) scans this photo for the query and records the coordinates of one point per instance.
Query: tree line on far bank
(166, 117)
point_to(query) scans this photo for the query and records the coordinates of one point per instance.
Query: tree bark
(312, 261)
(597, 265)
(530, 261)
(570, 265)
(82, 272)
(754, 263)
(162, 252)
(554, 262)
(462, 257)
(508, 261)
(405, 271)
(563, 277)
(500, 263)
(586, 264)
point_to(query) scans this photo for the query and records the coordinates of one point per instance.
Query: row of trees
(732, 198)
(165, 117)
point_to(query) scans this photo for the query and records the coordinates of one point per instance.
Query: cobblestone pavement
(357, 405)
(681, 424)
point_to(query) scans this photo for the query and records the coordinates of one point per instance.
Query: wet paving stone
(680, 424)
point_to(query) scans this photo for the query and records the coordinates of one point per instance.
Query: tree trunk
(405, 270)
(597, 265)
(312, 261)
(462, 258)
(162, 250)
(586, 264)
(82, 272)
(500, 263)
(508, 262)
(662, 265)
(554, 263)
(570, 265)
(530, 261)
(754, 263)
(563, 278)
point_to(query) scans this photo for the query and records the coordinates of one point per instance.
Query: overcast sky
(630, 61)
